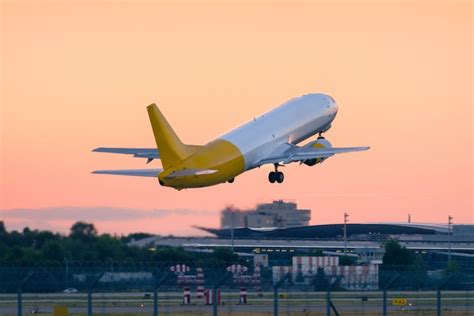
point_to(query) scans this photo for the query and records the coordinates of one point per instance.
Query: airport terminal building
(274, 233)
(281, 214)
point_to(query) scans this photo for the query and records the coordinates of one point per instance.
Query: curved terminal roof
(332, 230)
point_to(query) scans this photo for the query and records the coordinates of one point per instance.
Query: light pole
(66, 272)
(346, 216)
(232, 229)
(450, 222)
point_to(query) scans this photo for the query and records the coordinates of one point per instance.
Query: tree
(136, 236)
(225, 255)
(321, 282)
(396, 255)
(53, 251)
(317, 252)
(167, 256)
(83, 231)
(455, 277)
(418, 272)
(2, 227)
(347, 260)
(451, 269)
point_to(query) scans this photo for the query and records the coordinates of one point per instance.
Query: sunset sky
(76, 75)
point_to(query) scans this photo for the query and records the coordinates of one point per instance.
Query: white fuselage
(290, 123)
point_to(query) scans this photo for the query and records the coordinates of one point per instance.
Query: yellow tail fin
(172, 150)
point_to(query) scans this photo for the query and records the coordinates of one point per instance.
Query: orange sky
(78, 75)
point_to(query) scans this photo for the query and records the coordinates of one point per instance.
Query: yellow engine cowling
(321, 142)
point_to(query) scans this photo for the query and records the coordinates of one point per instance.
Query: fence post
(158, 284)
(329, 304)
(438, 302)
(89, 302)
(89, 293)
(275, 301)
(214, 292)
(155, 302)
(214, 301)
(20, 293)
(385, 288)
(275, 292)
(438, 294)
(20, 311)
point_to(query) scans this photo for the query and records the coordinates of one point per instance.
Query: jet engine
(321, 142)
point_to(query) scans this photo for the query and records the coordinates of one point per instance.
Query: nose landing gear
(276, 176)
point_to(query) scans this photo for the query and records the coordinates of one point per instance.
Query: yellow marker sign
(60, 311)
(399, 301)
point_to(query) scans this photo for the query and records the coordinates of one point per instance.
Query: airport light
(450, 223)
(346, 216)
(232, 228)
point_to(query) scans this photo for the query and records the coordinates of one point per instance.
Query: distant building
(304, 270)
(279, 214)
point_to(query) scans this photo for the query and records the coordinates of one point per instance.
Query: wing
(296, 153)
(149, 153)
(189, 172)
(131, 172)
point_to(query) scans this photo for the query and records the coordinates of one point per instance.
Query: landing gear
(276, 176)
(231, 180)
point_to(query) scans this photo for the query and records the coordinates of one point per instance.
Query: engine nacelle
(321, 142)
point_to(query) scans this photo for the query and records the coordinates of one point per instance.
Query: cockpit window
(330, 98)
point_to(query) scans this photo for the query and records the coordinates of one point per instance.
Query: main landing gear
(276, 176)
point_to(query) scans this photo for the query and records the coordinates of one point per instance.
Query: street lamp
(232, 228)
(346, 216)
(450, 223)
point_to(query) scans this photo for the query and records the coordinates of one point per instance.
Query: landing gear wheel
(276, 176)
(272, 177)
(231, 180)
(280, 177)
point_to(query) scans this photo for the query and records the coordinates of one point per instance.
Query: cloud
(103, 214)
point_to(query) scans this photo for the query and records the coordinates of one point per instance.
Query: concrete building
(305, 268)
(280, 214)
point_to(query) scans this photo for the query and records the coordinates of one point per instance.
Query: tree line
(85, 246)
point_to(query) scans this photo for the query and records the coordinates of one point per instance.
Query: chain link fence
(180, 289)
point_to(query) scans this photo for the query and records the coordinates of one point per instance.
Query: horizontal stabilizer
(131, 172)
(190, 172)
(136, 152)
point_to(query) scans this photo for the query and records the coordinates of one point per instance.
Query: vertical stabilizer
(172, 150)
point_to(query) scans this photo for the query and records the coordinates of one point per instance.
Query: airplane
(271, 138)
